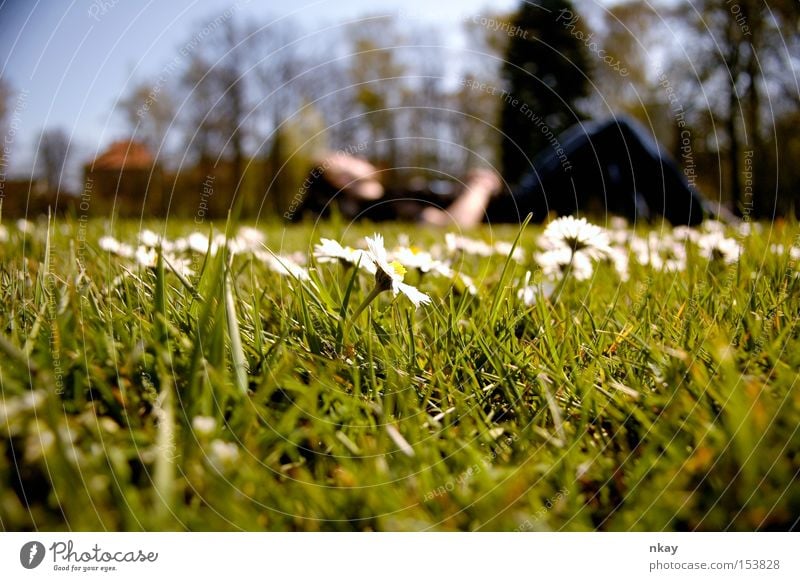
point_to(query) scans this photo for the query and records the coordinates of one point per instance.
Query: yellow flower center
(398, 269)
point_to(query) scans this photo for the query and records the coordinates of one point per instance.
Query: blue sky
(72, 59)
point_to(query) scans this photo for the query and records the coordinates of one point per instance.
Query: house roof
(125, 154)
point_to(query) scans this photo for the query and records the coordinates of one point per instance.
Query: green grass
(667, 402)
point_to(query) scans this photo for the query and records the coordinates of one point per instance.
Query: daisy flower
(621, 237)
(389, 275)
(178, 265)
(505, 248)
(424, 261)
(249, 239)
(146, 257)
(331, 251)
(467, 282)
(204, 425)
(530, 293)
(716, 247)
(713, 227)
(222, 454)
(198, 242)
(149, 238)
(618, 223)
(466, 245)
(283, 265)
(562, 261)
(684, 233)
(620, 259)
(412, 257)
(114, 246)
(25, 226)
(746, 228)
(674, 255)
(660, 252)
(576, 235)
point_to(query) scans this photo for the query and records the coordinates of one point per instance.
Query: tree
(198, 119)
(743, 79)
(215, 110)
(377, 74)
(149, 113)
(546, 73)
(627, 35)
(5, 105)
(477, 96)
(424, 142)
(52, 157)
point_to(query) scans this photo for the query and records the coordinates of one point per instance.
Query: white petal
(415, 296)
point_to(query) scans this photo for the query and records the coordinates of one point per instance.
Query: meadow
(229, 377)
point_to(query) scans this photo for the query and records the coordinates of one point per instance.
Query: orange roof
(125, 154)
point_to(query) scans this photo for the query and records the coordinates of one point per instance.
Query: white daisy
(466, 245)
(716, 247)
(644, 251)
(114, 246)
(660, 252)
(620, 237)
(746, 228)
(468, 283)
(530, 294)
(180, 245)
(618, 223)
(412, 257)
(505, 248)
(389, 275)
(713, 227)
(198, 242)
(328, 250)
(146, 257)
(249, 239)
(219, 241)
(684, 233)
(149, 238)
(178, 265)
(223, 454)
(283, 265)
(576, 235)
(620, 259)
(674, 256)
(25, 226)
(204, 425)
(561, 261)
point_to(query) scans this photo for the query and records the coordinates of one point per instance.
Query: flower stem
(564, 275)
(369, 298)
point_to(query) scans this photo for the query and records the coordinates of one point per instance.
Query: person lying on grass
(610, 166)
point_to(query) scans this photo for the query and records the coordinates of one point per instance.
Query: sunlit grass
(235, 398)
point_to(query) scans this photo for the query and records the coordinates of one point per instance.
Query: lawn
(177, 383)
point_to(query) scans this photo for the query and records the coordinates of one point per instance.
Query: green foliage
(546, 70)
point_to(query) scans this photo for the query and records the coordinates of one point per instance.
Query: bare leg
(354, 176)
(469, 208)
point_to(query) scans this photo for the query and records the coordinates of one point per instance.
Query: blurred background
(185, 108)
